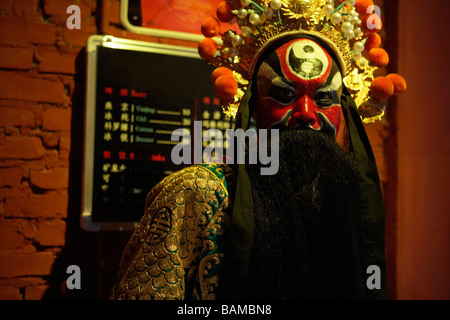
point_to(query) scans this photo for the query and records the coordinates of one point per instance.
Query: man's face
(299, 85)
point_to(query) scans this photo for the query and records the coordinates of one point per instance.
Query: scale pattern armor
(177, 249)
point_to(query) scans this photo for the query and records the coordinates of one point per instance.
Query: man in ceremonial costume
(309, 231)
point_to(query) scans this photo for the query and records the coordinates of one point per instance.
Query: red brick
(10, 177)
(11, 131)
(16, 117)
(114, 12)
(29, 230)
(50, 139)
(7, 5)
(64, 142)
(26, 5)
(51, 233)
(19, 8)
(49, 160)
(36, 264)
(48, 205)
(91, 4)
(60, 162)
(35, 293)
(57, 178)
(28, 166)
(21, 148)
(10, 163)
(10, 293)
(10, 235)
(23, 87)
(23, 282)
(53, 61)
(79, 37)
(57, 119)
(35, 108)
(59, 7)
(18, 204)
(16, 58)
(12, 29)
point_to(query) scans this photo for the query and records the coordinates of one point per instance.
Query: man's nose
(303, 113)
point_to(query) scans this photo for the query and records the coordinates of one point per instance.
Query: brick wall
(37, 82)
(41, 96)
(42, 78)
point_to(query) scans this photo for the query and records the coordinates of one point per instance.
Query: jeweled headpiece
(349, 29)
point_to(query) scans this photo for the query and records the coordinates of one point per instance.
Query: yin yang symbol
(307, 59)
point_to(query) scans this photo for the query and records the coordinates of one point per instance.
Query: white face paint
(299, 85)
(307, 59)
(336, 83)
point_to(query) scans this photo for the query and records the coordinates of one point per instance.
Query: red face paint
(296, 83)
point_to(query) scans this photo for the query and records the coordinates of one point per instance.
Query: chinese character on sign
(108, 105)
(205, 115)
(216, 115)
(186, 122)
(186, 112)
(108, 115)
(124, 127)
(122, 155)
(106, 178)
(207, 100)
(106, 167)
(108, 125)
(107, 136)
(124, 137)
(124, 117)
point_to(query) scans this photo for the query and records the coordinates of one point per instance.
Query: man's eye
(324, 98)
(284, 95)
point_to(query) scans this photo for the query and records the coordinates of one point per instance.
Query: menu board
(139, 94)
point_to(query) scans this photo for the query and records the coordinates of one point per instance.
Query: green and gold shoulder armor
(177, 249)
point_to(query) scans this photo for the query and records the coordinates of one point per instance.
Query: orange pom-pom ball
(224, 12)
(221, 71)
(381, 88)
(372, 23)
(398, 81)
(379, 57)
(362, 5)
(373, 41)
(226, 87)
(210, 27)
(207, 48)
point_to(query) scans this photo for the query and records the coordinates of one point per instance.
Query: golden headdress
(349, 28)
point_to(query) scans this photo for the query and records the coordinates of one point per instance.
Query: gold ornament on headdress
(337, 23)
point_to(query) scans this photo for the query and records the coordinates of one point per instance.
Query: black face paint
(302, 81)
(306, 67)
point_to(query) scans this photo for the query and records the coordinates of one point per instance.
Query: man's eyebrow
(283, 82)
(274, 75)
(327, 87)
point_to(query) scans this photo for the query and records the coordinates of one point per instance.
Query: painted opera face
(299, 86)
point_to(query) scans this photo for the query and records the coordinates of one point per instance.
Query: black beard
(307, 223)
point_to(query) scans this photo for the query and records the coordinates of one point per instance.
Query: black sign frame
(113, 103)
